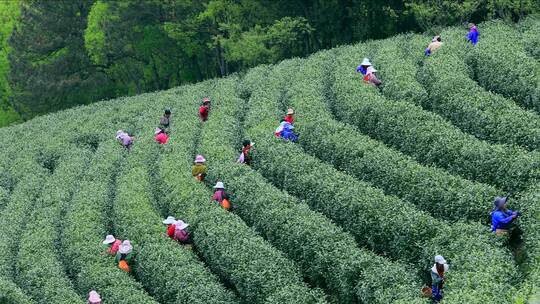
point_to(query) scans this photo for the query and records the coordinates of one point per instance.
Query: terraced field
(379, 182)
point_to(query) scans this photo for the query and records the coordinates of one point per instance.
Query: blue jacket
(473, 36)
(288, 134)
(361, 70)
(500, 219)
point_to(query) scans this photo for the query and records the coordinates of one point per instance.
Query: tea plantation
(379, 183)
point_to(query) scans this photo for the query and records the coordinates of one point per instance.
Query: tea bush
(325, 254)
(384, 224)
(86, 224)
(501, 65)
(424, 135)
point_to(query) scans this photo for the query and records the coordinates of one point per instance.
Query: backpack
(225, 204)
(123, 265)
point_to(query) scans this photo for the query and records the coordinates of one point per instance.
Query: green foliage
(230, 248)
(424, 135)
(160, 262)
(453, 94)
(529, 32)
(40, 271)
(387, 225)
(501, 65)
(84, 229)
(10, 293)
(326, 254)
(9, 12)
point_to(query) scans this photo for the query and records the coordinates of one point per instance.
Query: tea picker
(204, 109)
(160, 136)
(473, 34)
(369, 72)
(438, 271)
(165, 120)
(177, 230)
(199, 170)
(435, 44)
(286, 131)
(220, 196)
(94, 298)
(501, 217)
(290, 116)
(124, 139)
(245, 154)
(112, 244)
(124, 255)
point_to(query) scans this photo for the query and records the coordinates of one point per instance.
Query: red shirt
(203, 112)
(162, 138)
(170, 230)
(289, 118)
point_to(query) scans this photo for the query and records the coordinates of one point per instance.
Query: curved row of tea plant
(530, 27)
(431, 189)
(240, 257)
(40, 271)
(327, 256)
(160, 262)
(85, 225)
(501, 65)
(528, 203)
(452, 92)
(425, 135)
(385, 224)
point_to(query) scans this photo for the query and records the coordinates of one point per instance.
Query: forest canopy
(58, 54)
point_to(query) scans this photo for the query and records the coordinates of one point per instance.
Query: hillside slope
(379, 182)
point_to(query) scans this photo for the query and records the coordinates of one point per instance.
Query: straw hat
(93, 297)
(440, 259)
(199, 159)
(365, 62)
(435, 38)
(181, 225)
(169, 220)
(219, 185)
(126, 247)
(290, 111)
(109, 239)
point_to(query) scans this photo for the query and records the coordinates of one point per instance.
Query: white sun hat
(157, 131)
(440, 259)
(219, 185)
(200, 159)
(365, 62)
(290, 111)
(109, 239)
(181, 225)
(126, 247)
(119, 134)
(169, 220)
(93, 297)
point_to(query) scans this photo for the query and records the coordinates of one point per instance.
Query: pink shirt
(162, 138)
(114, 247)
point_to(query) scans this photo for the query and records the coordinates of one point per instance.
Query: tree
(9, 12)
(49, 66)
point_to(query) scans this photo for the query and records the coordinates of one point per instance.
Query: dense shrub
(528, 203)
(160, 263)
(431, 189)
(530, 27)
(85, 225)
(501, 65)
(385, 224)
(452, 92)
(424, 135)
(326, 255)
(231, 249)
(11, 293)
(40, 270)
